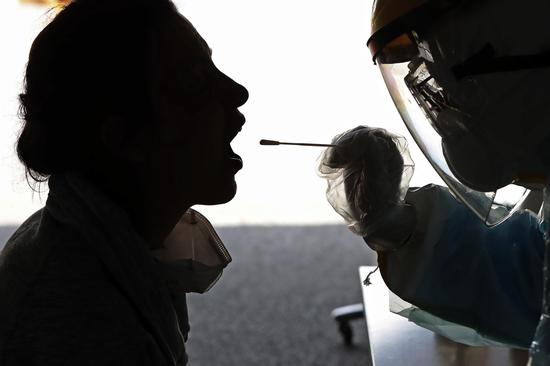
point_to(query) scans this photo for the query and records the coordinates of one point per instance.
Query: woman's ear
(121, 142)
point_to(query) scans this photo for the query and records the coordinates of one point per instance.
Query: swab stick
(274, 143)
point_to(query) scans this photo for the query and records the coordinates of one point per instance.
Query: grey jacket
(78, 286)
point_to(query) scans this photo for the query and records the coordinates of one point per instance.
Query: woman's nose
(242, 93)
(236, 93)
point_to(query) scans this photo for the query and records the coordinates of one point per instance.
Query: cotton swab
(275, 143)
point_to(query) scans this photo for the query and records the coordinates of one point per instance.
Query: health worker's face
(197, 118)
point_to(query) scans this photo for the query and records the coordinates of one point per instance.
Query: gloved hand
(368, 174)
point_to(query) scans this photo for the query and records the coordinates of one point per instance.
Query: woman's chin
(220, 195)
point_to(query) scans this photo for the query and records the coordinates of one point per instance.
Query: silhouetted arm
(457, 268)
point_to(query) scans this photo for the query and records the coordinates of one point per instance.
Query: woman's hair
(93, 61)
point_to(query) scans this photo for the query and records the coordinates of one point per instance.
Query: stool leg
(343, 315)
(346, 332)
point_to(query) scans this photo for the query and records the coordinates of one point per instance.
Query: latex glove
(368, 174)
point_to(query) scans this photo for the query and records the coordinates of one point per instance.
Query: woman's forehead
(184, 38)
(182, 51)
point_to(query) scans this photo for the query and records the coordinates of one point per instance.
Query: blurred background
(310, 77)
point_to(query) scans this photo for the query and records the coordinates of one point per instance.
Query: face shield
(431, 119)
(464, 103)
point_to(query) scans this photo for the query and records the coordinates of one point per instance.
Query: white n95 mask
(193, 256)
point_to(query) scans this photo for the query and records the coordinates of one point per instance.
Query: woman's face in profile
(197, 117)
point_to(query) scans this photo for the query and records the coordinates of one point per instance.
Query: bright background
(310, 77)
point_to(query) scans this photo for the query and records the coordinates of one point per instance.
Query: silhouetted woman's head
(91, 63)
(128, 82)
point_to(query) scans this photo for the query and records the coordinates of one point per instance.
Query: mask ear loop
(192, 217)
(193, 221)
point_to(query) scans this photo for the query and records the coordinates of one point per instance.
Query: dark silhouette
(128, 119)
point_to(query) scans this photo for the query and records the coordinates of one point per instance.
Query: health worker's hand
(368, 173)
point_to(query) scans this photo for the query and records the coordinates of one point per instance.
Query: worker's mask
(474, 97)
(193, 256)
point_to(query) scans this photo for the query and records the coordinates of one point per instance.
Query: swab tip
(269, 142)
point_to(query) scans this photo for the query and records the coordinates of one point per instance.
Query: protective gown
(435, 253)
(457, 268)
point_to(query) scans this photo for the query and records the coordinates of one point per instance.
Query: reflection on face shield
(444, 115)
(465, 113)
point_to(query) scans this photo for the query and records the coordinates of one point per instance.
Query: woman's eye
(197, 85)
(200, 90)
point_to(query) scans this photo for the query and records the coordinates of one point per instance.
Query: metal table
(396, 341)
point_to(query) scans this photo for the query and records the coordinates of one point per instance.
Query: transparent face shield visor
(420, 100)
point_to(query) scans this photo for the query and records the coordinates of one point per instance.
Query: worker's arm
(457, 268)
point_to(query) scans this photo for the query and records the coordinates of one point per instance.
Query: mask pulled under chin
(193, 256)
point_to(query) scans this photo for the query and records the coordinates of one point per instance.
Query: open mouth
(234, 158)
(233, 155)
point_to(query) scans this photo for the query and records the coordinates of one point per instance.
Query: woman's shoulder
(37, 241)
(56, 295)
(21, 252)
(45, 262)
(25, 231)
